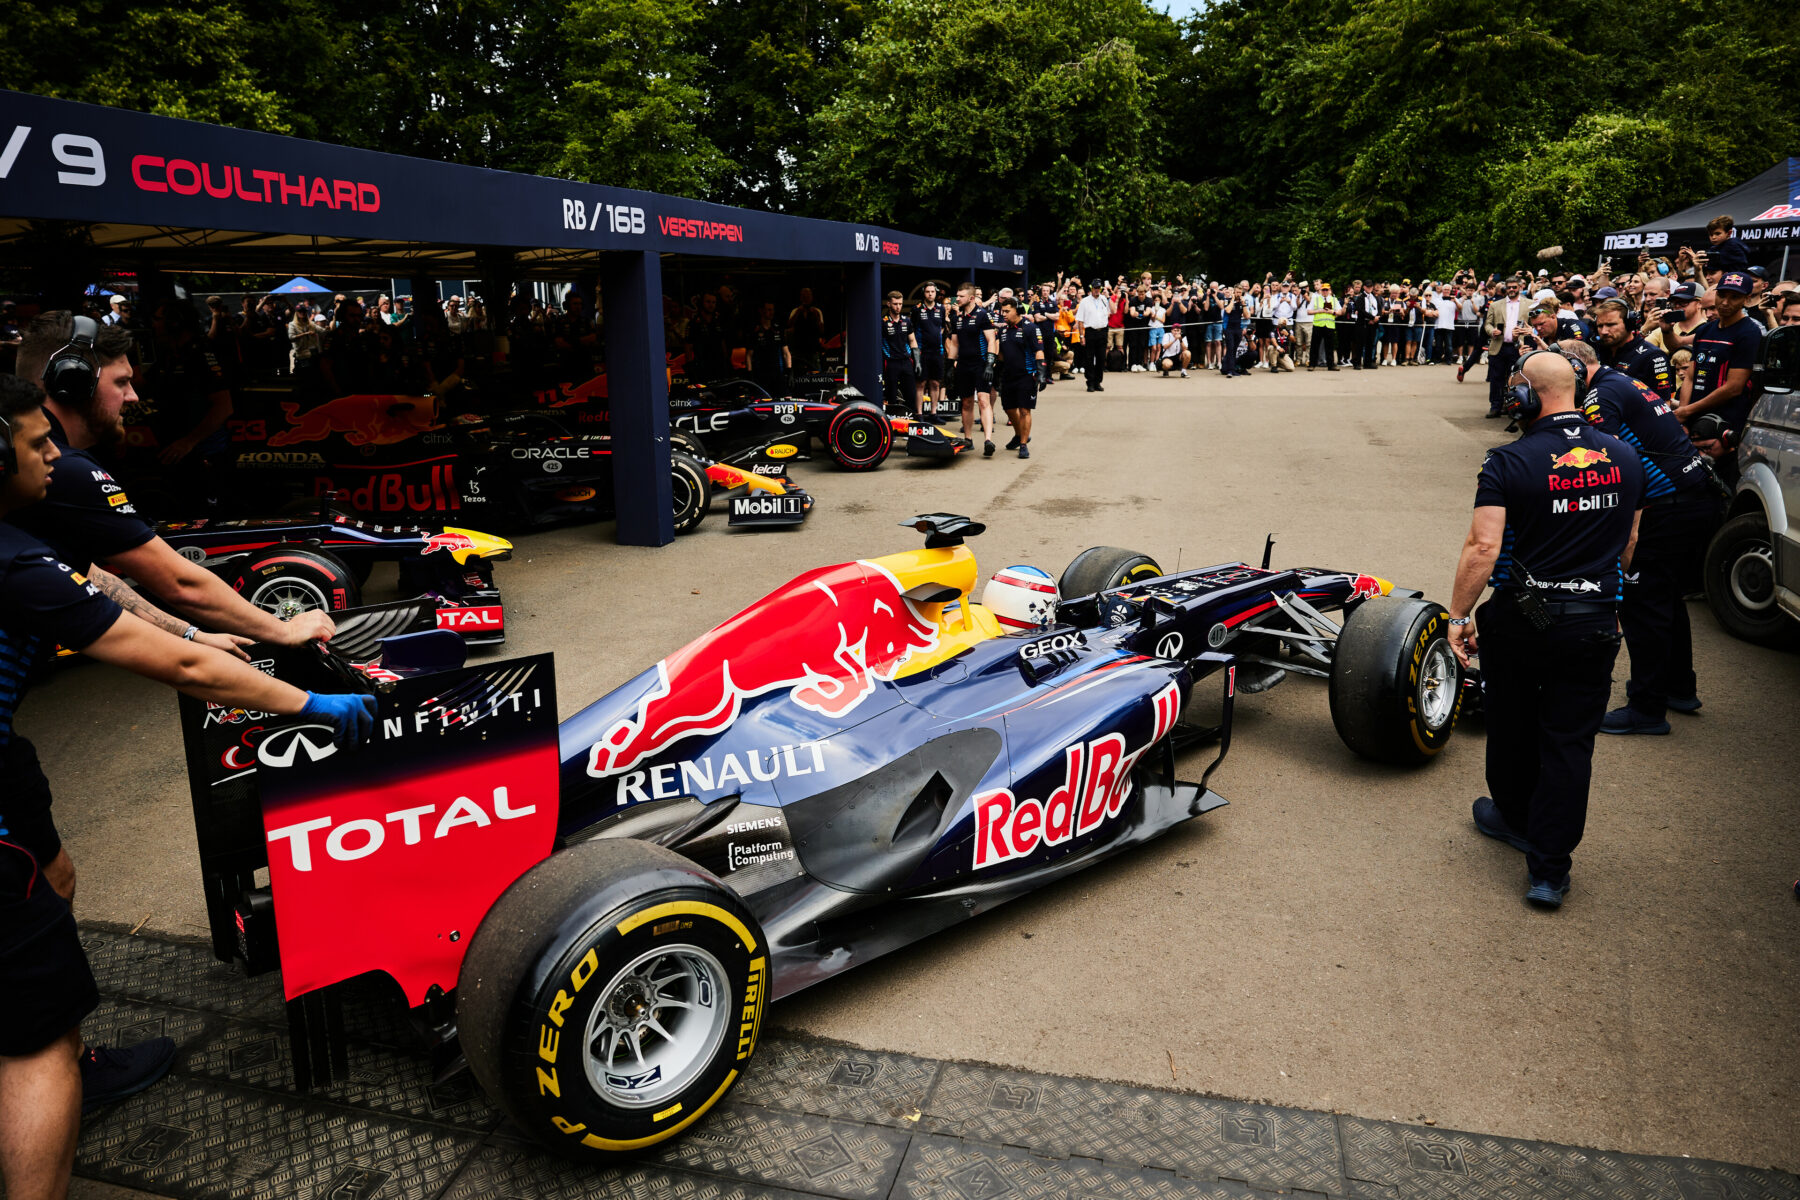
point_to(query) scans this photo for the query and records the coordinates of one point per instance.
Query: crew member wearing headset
(1556, 516)
(899, 353)
(48, 1078)
(1683, 505)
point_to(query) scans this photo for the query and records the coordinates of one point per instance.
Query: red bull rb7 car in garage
(389, 457)
(593, 914)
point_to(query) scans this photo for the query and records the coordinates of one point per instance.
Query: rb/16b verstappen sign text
(386, 858)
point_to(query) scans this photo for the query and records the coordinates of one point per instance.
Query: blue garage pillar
(862, 327)
(638, 394)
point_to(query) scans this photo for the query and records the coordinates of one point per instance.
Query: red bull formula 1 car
(739, 422)
(318, 557)
(595, 914)
(392, 457)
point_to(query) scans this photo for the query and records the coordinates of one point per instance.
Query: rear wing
(329, 865)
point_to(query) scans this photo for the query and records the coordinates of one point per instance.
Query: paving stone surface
(809, 1119)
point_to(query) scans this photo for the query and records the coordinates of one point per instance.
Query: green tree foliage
(629, 114)
(1340, 137)
(1005, 122)
(182, 61)
(1389, 136)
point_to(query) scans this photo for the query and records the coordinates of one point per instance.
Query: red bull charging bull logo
(363, 420)
(448, 541)
(1579, 458)
(842, 628)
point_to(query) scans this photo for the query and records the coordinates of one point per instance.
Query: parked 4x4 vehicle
(1753, 563)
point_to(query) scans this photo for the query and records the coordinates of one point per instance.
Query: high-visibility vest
(1320, 307)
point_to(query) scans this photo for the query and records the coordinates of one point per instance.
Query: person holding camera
(1554, 545)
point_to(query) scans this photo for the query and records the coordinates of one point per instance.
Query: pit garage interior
(90, 190)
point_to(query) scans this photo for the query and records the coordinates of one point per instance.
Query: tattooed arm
(126, 598)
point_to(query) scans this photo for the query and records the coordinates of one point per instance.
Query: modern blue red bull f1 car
(596, 913)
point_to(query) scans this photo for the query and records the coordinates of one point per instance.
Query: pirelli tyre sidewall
(859, 436)
(1396, 689)
(689, 490)
(288, 580)
(565, 938)
(687, 443)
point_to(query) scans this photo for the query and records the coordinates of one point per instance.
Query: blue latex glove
(352, 716)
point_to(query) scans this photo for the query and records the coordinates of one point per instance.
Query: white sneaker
(1184, 374)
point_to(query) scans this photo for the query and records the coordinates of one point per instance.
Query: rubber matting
(808, 1119)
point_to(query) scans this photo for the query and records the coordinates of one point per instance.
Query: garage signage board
(61, 160)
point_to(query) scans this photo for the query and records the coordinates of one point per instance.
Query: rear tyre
(1099, 568)
(290, 580)
(859, 436)
(1396, 687)
(689, 490)
(611, 997)
(1740, 582)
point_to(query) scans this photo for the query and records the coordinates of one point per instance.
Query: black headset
(73, 374)
(9, 454)
(1521, 401)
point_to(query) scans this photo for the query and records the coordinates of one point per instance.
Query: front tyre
(611, 997)
(289, 580)
(1740, 582)
(1102, 568)
(1396, 687)
(859, 436)
(689, 490)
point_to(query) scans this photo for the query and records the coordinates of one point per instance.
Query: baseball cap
(1543, 272)
(1760, 272)
(1685, 293)
(1544, 294)
(1581, 279)
(1607, 293)
(1734, 281)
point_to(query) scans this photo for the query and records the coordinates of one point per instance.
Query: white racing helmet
(1021, 597)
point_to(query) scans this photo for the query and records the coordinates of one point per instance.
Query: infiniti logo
(279, 748)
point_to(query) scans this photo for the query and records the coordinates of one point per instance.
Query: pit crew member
(899, 353)
(973, 345)
(88, 516)
(929, 319)
(1043, 316)
(47, 1077)
(1623, 350)
(1683, 507)
(768, 357)
(1556, 513)
(1021, 369)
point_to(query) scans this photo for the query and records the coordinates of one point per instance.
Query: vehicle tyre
(859, 436)
(1101, 567)
(689, 490)
(304, 507)
(1740, 582)
(1396, 687)
(290, 580)
(573, 973)
(687, 443)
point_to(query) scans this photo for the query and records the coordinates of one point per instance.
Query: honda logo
(279, 748)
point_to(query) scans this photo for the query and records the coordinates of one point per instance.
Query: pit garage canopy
(156, 192)
(1766, 210)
